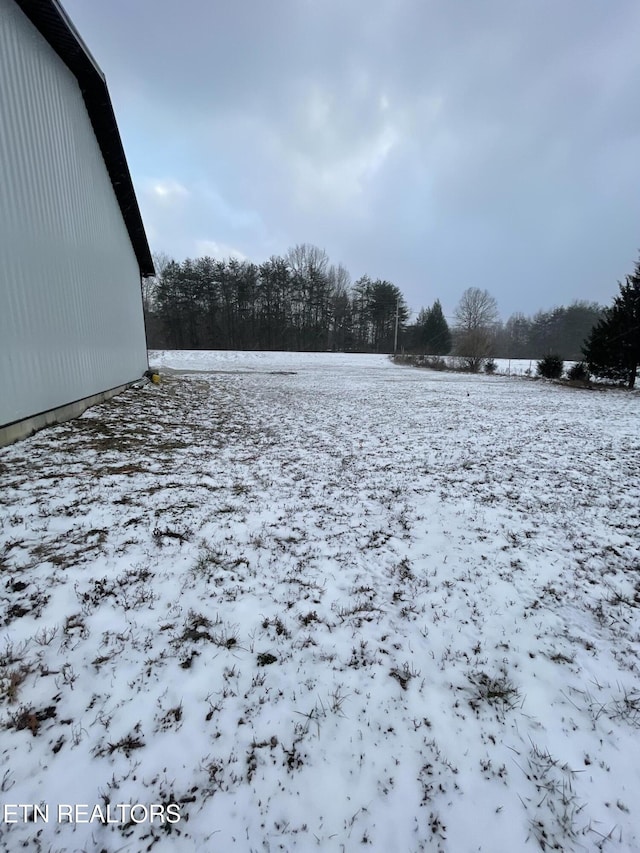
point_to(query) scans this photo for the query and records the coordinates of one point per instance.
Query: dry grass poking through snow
(355, 608)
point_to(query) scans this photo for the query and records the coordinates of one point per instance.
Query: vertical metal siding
(71, 321)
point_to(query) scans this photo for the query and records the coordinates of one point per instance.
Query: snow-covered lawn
(321, 602)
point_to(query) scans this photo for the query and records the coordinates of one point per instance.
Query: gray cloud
(440, 145)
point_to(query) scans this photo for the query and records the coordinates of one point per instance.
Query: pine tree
(436, 334)
(612, 350)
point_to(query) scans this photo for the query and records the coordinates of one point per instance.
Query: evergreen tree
(436, 334)
(388, 310)
(414, 334)
(612, 350)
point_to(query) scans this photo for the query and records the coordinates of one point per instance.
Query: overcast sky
(440, 144)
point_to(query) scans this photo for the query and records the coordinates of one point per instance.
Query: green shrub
(551, 366)
(579, 372)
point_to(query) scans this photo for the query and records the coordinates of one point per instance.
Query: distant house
(72, 243)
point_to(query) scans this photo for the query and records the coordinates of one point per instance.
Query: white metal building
(72, 243)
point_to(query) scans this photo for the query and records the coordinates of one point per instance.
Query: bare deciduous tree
(307, 260)
(476, 315)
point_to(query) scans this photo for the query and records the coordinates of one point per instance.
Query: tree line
(476, 328)
(562, 330)
(301, 301)
(296, 302)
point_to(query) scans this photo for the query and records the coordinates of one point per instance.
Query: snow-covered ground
(320, 602)
(266, 361)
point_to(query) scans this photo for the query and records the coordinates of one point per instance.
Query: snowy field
(321, 602)
(251, 362)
